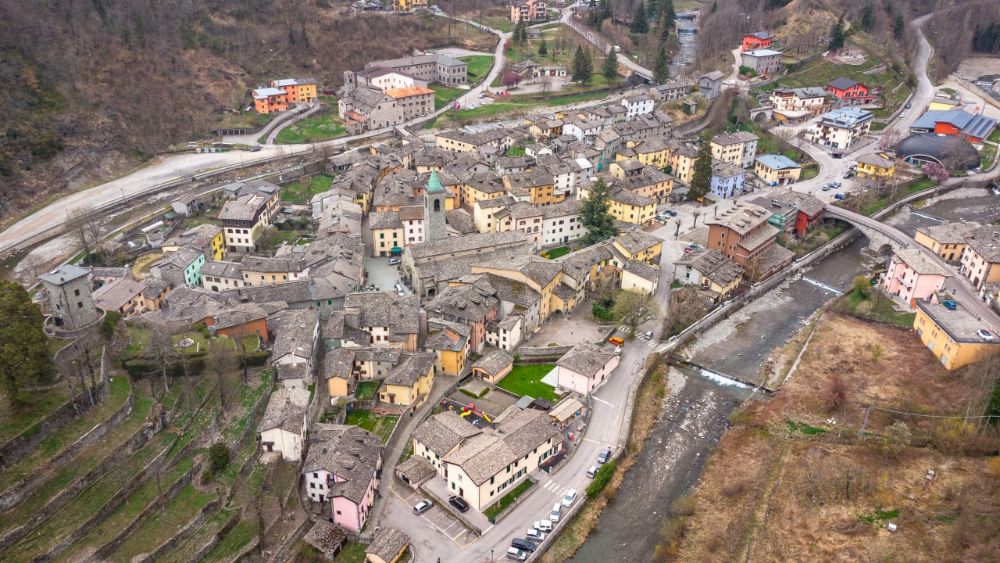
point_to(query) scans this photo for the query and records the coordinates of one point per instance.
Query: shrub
(835, 393)
(218, 455)
(108, 325)
(601, 479)
(207, 476)
(601, 313)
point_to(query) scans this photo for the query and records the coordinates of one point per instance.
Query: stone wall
(188, 529)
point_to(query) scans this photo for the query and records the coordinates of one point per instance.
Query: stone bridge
(761, 114)
(881, 237)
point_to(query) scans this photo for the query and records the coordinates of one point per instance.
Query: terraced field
(136, 501)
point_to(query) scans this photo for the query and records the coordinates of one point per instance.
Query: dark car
(459, 503)
(522, 544)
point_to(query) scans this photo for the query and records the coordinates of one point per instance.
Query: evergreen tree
(898, 27)
(661, 68)
(610, 67)
(594, 213)
(667, 18)
(837, 36)
(639, 23)
(24, 349)
(543, 49)
(868, 17)
(701, 183)
(582, 67)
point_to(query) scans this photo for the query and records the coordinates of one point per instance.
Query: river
(695, 411)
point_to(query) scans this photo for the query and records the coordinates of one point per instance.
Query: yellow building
(628, 207)
(409, 5)
(537, 184)
(206, 237)
(493, 366)
(954, 335)
(875, 166)
(777, 169)
(387, 233)
(654, 152)
(410, 382)
(450, 341)
(338, 370)
(948, 240)
(539, 274)
(297, 89)
(682, 163)
(482, 187)
(639, 246)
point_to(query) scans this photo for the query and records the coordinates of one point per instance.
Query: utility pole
(864, 424)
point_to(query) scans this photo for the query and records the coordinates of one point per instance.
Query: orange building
(269, 100)
(759, 40)
(298, 89)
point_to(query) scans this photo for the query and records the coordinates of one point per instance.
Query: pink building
(584, 368)
(342, 468)
(912, 276)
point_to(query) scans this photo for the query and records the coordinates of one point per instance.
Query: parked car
(591, 471)
(459, 503)
(544, 526)
(836, 184)
(394, 261)
(826, 187)
(569, 497)
(422, 506)
(985, 335)
(604, 456)
(556, 512)
(516, 554)
(848, 174)
(522, 544)
(616, 340)
(648, 335)
(839, 196)
(949, 304)
(534, 535)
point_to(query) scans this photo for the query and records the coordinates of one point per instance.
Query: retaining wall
(186, 531)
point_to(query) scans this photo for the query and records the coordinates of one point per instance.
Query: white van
(556, 512)
(516, 554)
(543, 526)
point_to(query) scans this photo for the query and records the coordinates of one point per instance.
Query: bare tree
(84, 227)
(632, 309)
(163, 352)
(220, 360)
(240, 339)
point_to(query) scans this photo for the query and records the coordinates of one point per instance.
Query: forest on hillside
(93, 87)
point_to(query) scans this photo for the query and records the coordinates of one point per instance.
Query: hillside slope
(93, 87)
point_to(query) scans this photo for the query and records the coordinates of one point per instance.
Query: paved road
(602, 44)
(164, 169)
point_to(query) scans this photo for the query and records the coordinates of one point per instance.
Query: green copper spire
(434, 183)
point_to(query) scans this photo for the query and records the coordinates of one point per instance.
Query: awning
(396, 251)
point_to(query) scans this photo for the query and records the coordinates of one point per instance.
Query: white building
(561, 223)
(737, 148)
(586, 367)
(506, 334)
(637, 105)
(283, 427)
(840, 128)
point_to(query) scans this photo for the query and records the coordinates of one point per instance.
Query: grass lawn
(821, 71)
(526, 379)
(496, 22)
(875, 306)
(244, 120)
(874, 206)
(809, 173)
(301, 191)
(994, 136)
(507, 499)
(353, 552)
(37, 406)
(987, 155)
(366, 390)
(200, 342)
(443, 95)
(556, 252)
(164, 523)
(511, 105)
(321, 126)
(233, 542)
(55, 442)
(380, 425)
(478, 66)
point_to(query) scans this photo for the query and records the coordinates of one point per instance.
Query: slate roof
(735, 138)
(586, 358)
(272, 264)
(293, 332)
(986, 242)
(443, 431)
(950, 233)
(637, 240)
(484, 455)
(713, 265)
(412, 366)
(385, 309)
(494, 362)
(349, 452)
(222, 269)
(286, 409)
(842, 83)
(388, 544)
(112, 296)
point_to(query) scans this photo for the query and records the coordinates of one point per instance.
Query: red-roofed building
(758, 40)
(850, 91)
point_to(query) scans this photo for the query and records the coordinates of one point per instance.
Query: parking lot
(437, 516)
(380, 273)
